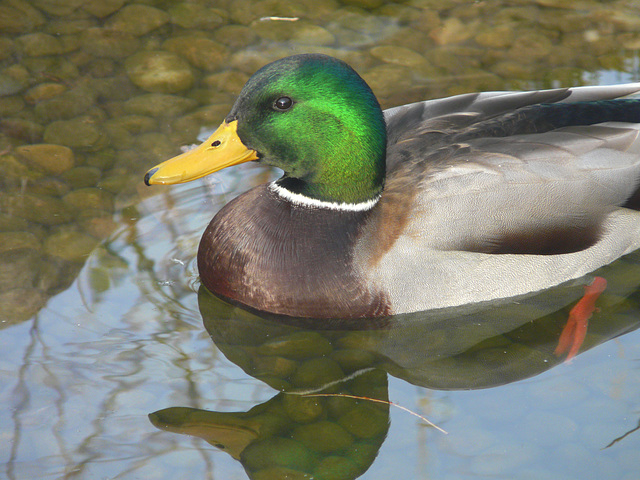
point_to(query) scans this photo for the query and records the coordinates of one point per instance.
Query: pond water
(115, 364)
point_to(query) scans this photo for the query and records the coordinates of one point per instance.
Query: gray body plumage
(499, 216)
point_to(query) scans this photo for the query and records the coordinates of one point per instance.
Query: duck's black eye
(283, 103)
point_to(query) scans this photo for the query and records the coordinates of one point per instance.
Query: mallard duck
(434, 204)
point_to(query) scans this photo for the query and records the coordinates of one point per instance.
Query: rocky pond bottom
(135, 371)
(109, 369)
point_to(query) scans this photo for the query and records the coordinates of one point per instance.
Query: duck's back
(500, 194)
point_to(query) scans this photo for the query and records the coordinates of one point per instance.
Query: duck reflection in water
(314, 428)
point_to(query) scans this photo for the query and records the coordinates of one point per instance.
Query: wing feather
(508, 173)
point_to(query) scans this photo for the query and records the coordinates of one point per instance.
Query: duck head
(310, 115)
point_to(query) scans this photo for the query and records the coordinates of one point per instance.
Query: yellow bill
(221, 150)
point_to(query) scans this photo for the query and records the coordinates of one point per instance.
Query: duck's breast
(263, 251)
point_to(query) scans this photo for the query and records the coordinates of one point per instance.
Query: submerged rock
(397, 55)
(230, 81)
(82, 177)
(54, 67)
(97, 223)
(80, 132)
(386, 79)
(39, 44)
(296, 31)
(21, 129)
(453, 31)
(320, 371)
(297, 345)
(278, 451)
(103, 42)
(58, 7)
(67, 105)
(89, 199)
(500, 36)
(302, 409)
(156, 105)
(11, 223)
(10, 85)
(137, 20)
(10, 241)
(20, 304)
(6, 48)
(199, 51)
(69, 25)
(195, 16)
(43, 91)
(102, 8)
(337, 467)
(19, 261)
(70, 245)
(15, 171)
(51, 186)
(10, 105)
(235, 36)
(19, 17)
(42, 209)
(159, 71)
(134, 124)
(323, 436)
(365, 421)
(53, 159)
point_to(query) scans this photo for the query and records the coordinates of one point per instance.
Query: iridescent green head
(315, 118)
(310, 115)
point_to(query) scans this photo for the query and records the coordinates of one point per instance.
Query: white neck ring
(304, 201)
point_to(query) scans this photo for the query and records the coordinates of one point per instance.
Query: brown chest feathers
(265, 252)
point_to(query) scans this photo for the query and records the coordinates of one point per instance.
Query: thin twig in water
(279, 19)
(616, 440)
(387, 402)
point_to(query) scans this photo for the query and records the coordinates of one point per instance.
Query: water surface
(103, 321)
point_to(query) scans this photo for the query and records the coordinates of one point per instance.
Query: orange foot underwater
(575, 330)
